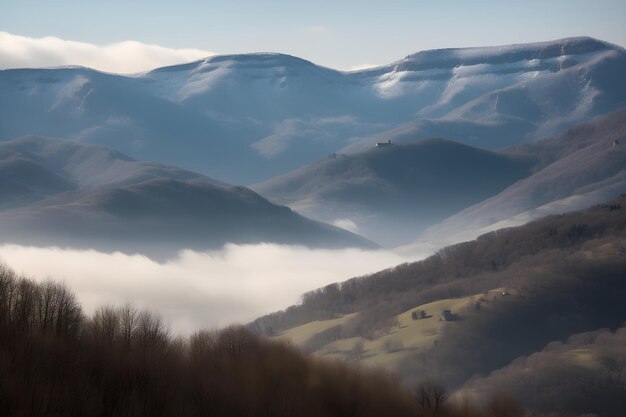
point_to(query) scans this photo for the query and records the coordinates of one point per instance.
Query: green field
(405, 338)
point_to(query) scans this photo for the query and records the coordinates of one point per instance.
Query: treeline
(120, 361)
(459, 270)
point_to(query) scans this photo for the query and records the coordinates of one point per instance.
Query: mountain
(246, 118)
(390, 194)
(58, 192)
(493, 97)
(503, 312)
(584, 165)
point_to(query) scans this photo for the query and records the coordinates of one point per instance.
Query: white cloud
(347, 224)
(120, 57)
(197, 290)
(360, 67)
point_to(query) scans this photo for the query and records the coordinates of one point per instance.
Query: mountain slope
(585, 165)
(552, 379)
(390, 194)
(107, 200)
(213, 115)
(511, 293)
(494, 97)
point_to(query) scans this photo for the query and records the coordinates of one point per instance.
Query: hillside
(106, 200)
(407, 334)
(592, 363)
(211, 115)
(391, 194)
(513, 292)
(585, 165)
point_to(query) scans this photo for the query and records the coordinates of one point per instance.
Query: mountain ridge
(215, 111)
(393, 192)
(109, 201)
(582, 166)
(566, 43)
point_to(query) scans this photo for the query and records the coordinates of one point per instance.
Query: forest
(120, 361)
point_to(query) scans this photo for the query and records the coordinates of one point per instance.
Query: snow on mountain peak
(271, 111)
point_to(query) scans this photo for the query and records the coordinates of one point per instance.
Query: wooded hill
(563, 275)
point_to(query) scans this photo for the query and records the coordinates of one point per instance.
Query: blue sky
(339, 34)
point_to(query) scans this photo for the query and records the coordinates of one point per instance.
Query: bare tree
(430, 396)
(151, 331)
(129, 320)
(106, 324)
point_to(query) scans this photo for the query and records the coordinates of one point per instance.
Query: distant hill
(584, 165)
(213, 116)
(58, 192)
(392, 193)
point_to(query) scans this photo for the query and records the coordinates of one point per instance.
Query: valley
(239, 233)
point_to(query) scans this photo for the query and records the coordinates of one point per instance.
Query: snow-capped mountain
(244, 118)
(493, 97)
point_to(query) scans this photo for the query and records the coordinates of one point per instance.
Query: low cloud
(120, 57)
(198, 289)
(347, 224)
(360, 67)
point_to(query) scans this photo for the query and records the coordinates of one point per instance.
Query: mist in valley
(196, 290)
(312, 210)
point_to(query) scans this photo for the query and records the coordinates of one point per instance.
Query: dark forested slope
(457, 270)
(557, 277)
(57, 192)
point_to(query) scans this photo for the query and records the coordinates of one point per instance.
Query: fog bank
(198, 289)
